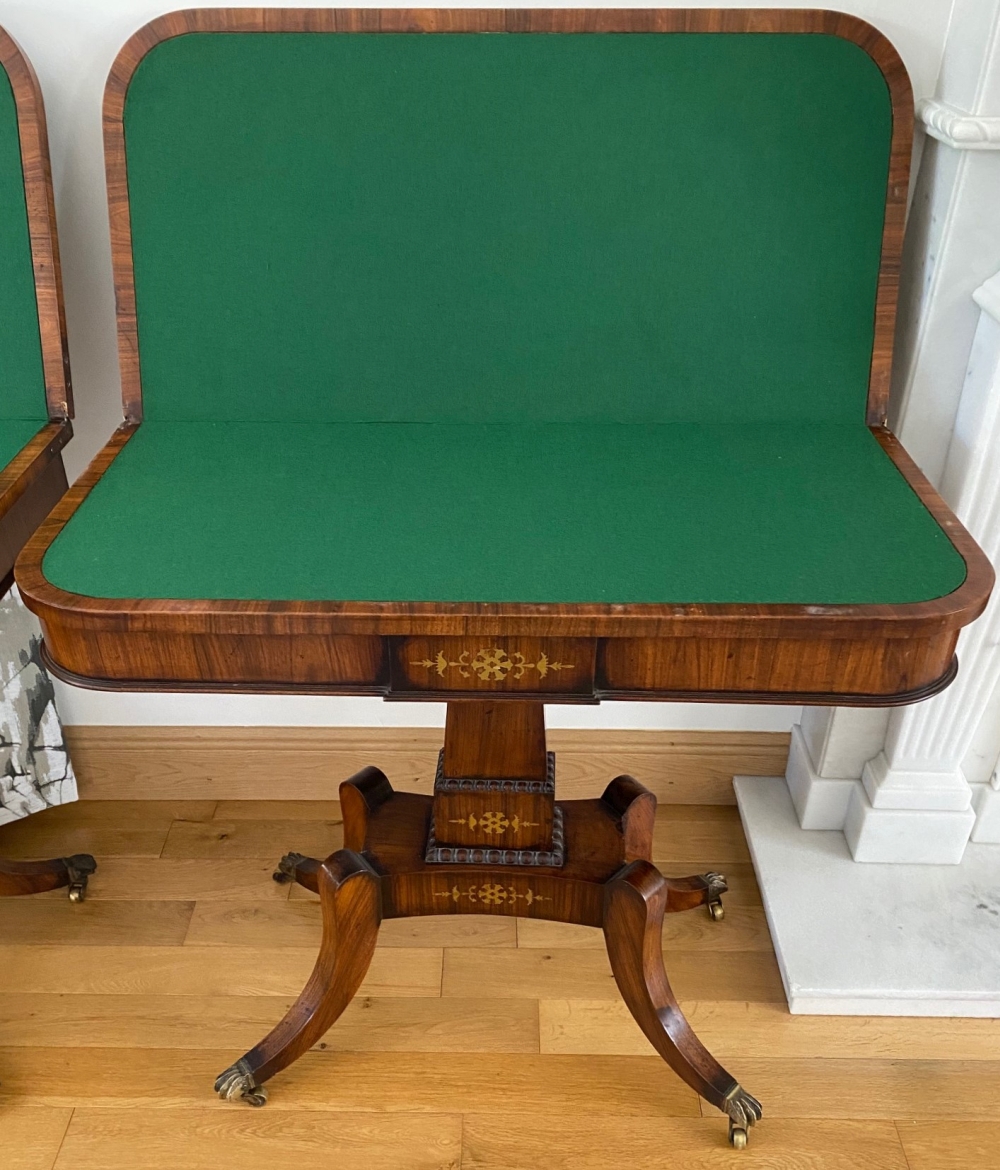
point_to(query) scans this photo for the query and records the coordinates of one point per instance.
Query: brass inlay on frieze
(494, 824)
(492, 664)
(492, 894)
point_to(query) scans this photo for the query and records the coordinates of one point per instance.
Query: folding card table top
(502, 357)
(35, 397)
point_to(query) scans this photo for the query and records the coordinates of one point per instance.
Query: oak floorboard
(948, 1145)
(212, 1138)
(102, 1012)
(279, 810)
(744, 928)
(147, 879)
(125, 971)
(696, 834)
(93, 923)
(735, 1031)
(839, 1087)
(581, 974)
(30, 1136)
(236, 1023)
(362, 1081)
(608, 1143)
(265, 839)
(131, 828)
(299, 924)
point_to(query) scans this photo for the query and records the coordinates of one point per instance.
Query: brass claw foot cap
(237, 1084)
(744, 1111)
(286, 867)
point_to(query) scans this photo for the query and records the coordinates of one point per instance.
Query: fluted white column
(914, 803)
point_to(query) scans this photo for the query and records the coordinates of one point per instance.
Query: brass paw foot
(717, 886)
(744, 1111)
(287, 866)
(79, 867)
(237, 1084)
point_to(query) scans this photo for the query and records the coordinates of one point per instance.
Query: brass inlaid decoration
(492, 664)
(492, 894)
(494, 824)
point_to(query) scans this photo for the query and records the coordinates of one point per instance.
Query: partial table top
(671, 513)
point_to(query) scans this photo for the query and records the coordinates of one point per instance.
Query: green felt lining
(22, 380)
(684, 512)
(506, 227)
(14, 433)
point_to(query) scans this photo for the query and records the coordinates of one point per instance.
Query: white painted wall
(72, 43)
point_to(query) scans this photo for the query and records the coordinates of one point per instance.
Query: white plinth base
(906, 836)
(889, 940)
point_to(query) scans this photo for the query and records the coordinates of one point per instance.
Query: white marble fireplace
(879, 852)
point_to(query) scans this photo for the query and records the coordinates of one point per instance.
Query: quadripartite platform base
(607, 879)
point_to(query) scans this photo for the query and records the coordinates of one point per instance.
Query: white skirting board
(885, 940)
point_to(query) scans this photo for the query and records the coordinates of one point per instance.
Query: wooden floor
(480, 1043)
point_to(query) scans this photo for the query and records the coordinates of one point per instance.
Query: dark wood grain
(636, 900)
(349, 896)
(493, 788)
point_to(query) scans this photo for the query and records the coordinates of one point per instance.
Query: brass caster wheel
(78, 870)
(716, 910)
(743, 1111)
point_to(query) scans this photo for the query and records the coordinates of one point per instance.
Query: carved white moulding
(956, 128)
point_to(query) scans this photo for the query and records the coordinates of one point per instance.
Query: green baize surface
(541, 318)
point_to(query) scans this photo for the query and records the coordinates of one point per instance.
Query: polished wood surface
(111, 1035)
(30, 486)
(867, 654)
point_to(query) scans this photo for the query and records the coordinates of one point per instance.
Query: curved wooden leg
(635, 900)
(350, 895)
(36, 877)
(702, 889)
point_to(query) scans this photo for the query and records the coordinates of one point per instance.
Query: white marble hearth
(877, 939)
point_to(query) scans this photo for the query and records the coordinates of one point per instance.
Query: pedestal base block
(893, 940)
(821, 802)
(905, 836)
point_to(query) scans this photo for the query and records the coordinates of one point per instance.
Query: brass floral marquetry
(492, 664)
(494, 824)
(492, 894)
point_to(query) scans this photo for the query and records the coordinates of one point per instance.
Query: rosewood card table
(35, 396)
(503, 359)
